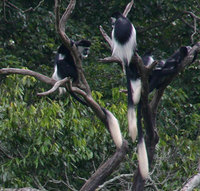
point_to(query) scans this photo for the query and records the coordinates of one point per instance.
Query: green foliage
(51, 135)
(47, 139)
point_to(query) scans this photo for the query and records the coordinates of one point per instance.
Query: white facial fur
(113, 20)
(84, 51)
(61, 57)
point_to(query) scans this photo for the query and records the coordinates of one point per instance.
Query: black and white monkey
(64, 63)
(123, 47)
(165, 67)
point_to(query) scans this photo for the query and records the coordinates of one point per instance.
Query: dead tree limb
(192, 183)
(106, 169)
(106, 37)
(128, 8)
(37, 75)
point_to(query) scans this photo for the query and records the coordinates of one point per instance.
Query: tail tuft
(132, 122)
(143, 159)
(114, 129)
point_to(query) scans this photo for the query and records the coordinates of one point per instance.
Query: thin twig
(195, 18)
(105, 35)
(55, 87)
(7, 155)
(37, 75)
(112, 180)
(128, 8)
(110, 60)
(29, 9)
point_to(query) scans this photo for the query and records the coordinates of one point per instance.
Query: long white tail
(134, 123)
(142, 152)
(134, 93)
(143, 159)
(114, 128)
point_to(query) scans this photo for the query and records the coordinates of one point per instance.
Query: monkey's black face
(83, 47)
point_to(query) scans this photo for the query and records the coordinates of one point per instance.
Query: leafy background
(54, 142)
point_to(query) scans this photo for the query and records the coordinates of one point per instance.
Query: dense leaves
(54, 142)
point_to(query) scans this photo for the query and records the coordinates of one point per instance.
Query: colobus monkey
(165, 67)
(123, 38)
(65, 66)
(123, 47)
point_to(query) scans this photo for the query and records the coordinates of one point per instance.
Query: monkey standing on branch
(123, 47)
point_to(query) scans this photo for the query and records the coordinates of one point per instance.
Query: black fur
(65, 65)
(165, 68)
(122, 26)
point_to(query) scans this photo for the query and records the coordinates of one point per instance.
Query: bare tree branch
(107, 168)
(128, 8)
(37, 75)
(193, 182)
(106, 37)
(195, 18)
(55, 87)
(24, 11)
(112, 180)
(192, 14)
(111, 59)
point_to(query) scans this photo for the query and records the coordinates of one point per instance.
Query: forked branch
(60, 26)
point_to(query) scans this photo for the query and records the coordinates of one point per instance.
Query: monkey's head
(114, 17)
(83, 47)
(62, 49)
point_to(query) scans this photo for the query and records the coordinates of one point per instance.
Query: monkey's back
(123, 29)
(65, 65)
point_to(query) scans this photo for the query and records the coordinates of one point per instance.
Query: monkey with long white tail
(123, 47)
